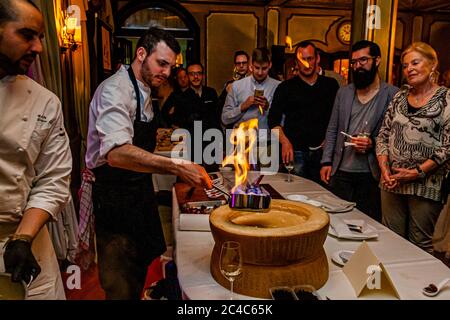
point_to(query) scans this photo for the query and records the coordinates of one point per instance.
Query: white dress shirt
(111, 115)
(35, 158)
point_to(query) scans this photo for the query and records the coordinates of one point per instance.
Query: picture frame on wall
(104, 50)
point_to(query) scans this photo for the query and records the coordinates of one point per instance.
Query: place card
(367, 275)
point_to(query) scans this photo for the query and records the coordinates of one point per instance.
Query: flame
(243, 138)
(303, 61)
(288, 42)
(261, 109)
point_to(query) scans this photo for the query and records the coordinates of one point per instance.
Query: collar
(199, 91)
(259, 83)
(8, 79)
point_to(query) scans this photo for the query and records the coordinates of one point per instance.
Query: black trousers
(361, 188)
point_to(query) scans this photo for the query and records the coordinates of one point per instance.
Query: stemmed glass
(231, 262)
(289, 167)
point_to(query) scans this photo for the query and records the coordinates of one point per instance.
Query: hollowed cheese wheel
(255, 281)
(289, 232)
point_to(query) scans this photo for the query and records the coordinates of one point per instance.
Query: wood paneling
(226, 33)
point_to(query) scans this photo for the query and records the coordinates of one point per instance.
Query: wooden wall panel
(226, 33)
(439, 40)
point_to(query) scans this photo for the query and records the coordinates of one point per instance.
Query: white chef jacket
(111, 115)
(35, 165)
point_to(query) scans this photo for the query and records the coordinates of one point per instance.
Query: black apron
(124, 201)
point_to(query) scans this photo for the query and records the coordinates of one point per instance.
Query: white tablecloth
(410, 268)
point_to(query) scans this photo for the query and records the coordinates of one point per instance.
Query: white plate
(337, 259)
(356, 235)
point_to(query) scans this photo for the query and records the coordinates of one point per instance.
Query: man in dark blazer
(349, 164)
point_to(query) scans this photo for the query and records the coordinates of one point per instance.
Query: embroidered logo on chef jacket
(41, 118)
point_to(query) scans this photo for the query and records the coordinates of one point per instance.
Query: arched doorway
(137, 16)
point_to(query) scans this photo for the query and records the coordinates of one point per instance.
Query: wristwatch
(422, 174)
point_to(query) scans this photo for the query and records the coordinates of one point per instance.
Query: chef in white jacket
(35, 159)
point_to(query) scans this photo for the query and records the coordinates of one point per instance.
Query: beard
(362, 78)
(11, 67)
(150, 79)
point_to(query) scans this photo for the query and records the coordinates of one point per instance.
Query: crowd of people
(385, 148)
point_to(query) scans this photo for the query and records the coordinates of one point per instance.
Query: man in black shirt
(306, 101)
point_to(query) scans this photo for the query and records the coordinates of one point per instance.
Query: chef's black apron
(127, 224)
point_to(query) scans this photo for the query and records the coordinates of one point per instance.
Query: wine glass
(231, 262)
(289, 167)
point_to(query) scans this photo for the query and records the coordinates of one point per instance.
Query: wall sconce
(71, 24)
(288, 42)
(179, 60)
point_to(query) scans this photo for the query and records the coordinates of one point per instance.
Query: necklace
(425, 96)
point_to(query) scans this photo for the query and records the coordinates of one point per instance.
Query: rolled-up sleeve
(114, 123)
(50, 187)
(231, 112)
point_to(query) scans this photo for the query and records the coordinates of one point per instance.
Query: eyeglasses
(241, 63)
(362, 61)
(192, 73)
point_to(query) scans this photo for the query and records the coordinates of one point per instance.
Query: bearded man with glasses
(349, 165)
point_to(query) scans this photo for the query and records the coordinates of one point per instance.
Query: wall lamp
(69, 29)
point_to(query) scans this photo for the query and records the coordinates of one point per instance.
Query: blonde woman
(413, 147)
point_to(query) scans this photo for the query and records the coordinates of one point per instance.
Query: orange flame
(243, 138)
(303, 61)
(288, 42)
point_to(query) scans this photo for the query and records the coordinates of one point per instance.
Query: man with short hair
(35, 158)
(182, 80)
(121, 137)
(240, 71)
(242, 103)
(306, 100)
(202, 99)
(352, 172)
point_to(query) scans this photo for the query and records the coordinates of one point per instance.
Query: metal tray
(207, 206)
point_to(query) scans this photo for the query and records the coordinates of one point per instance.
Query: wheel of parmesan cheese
(288, 233)
(255, 281)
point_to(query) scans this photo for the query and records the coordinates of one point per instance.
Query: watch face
(344, 32)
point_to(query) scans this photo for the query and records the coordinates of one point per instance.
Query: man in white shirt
(35, 159)
(121, 138)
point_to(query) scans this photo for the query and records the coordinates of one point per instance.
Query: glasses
(199, 73)
(241, 63)
(362, 61)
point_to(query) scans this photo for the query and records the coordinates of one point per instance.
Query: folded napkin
(334, 204)
(342, 228)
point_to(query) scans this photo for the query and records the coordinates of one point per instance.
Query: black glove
(20, 262)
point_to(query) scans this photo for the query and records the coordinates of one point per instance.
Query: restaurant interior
(86, 41)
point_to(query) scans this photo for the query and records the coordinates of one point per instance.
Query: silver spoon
(432, 289)
(345, 256)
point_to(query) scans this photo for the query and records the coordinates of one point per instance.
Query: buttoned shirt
(240, 91)
(111, 115)
(35, 158)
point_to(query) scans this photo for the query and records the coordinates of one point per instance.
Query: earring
(432, 76)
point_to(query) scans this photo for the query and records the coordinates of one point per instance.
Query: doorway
(137, 16)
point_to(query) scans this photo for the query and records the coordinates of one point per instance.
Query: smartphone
(259, 93)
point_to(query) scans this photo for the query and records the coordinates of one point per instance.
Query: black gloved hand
(20, 262)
